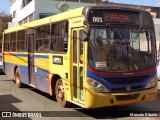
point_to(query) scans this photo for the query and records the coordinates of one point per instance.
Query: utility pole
(0, 30)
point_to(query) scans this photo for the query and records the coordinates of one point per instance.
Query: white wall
(157, 30)
(49, 6)
(16, 6)
(26, 11)
(39, 6)
(21, 13)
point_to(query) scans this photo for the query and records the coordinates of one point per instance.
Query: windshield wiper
(139, 30)
(109, 27)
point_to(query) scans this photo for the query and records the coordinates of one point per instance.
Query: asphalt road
(34, 102)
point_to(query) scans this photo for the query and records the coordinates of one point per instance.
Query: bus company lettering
(40, 62)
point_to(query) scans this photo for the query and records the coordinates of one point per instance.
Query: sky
(155, 3)
(5, 5)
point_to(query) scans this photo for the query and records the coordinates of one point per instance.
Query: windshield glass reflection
(121, 49)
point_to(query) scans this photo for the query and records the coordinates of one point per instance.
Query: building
(24, 11)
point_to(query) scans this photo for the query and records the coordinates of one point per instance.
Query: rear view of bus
(121, 56)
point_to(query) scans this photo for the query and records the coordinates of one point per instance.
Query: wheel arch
(17, 77)
(15, 68)
(54, 79)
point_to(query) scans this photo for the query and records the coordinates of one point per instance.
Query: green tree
(4, 19)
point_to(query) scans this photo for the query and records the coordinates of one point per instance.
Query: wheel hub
(60, 92)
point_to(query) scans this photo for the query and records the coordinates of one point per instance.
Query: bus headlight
(152, 82)
(97, 86)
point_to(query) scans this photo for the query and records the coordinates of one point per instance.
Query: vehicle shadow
(123, 111)
(106, 112)
(109, 112)
(53, 98)
(2, 73)
(40, 92)
(6, 102)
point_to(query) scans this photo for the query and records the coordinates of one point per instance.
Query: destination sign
(113, 16)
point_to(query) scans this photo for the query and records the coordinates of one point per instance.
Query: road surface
(36, 104)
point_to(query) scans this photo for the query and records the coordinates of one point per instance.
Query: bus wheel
(60, 95)
(17, 79)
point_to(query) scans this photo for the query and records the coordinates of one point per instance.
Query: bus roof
(58, 17)
(82, 11)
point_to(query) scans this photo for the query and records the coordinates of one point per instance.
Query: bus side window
(38, 44)
(12, 45)
(45, 46)
(21, 41)
(43, 38)
(65, 35)
(65, 42)
(59, 40)
(6, 42)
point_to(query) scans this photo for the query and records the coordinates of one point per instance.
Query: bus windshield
(121, 49)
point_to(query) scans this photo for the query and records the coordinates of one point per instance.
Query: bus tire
(60, 94)
(18, 79)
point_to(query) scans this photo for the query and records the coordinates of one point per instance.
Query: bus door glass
(77, 66)
(31, 39)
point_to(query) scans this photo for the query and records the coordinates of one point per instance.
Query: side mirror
(85, 34)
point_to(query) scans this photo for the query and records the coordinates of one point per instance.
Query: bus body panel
(21, 61)
(104, 99)
(48, 65)
(41, 72)
(13, 60)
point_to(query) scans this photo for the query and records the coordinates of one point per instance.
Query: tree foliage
(4, 19)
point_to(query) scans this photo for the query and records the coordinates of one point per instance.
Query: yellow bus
(92, 56)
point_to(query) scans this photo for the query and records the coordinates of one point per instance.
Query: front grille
(122, 89)
(126, 80)
(126, 97)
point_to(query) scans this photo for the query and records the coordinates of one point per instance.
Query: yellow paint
(103, 99)
(92, 99)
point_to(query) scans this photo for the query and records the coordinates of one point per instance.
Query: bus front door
(77, 66)
(31, 39)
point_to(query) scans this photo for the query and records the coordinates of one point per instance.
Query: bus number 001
(97, 19)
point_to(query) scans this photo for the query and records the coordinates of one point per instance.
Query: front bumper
(95, 100)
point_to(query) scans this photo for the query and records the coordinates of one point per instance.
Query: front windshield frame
(132, 39)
